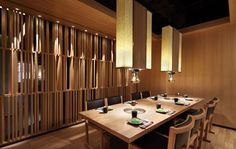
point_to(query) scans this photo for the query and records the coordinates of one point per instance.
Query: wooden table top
(115, 121)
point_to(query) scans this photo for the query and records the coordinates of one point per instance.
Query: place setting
(138, 122)
(104, 109)
(180, 102)
(131, 102)
(162, 110)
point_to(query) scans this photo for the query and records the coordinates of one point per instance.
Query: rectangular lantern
(133, 35)
(171, 48)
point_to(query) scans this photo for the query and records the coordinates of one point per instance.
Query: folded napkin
(145, 123)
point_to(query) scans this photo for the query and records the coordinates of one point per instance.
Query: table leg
(87, 132)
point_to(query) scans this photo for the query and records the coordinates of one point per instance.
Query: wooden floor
(74, 138)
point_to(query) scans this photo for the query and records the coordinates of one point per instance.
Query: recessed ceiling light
(17, 9)
(7, 8)
(24, 14)
(85, 30)
(57, 21)
(39, 16)
(19, 12)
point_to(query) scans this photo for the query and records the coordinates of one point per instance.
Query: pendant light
(133, 37)
(171, 50)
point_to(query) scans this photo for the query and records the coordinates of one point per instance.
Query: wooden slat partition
(48, 72)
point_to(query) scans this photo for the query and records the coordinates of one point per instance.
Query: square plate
(161, 110)
(135, 121)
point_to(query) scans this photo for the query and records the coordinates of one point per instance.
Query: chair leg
(87, 132)
(205, 138)
(210, 128)
(195, 144)
(200, 138)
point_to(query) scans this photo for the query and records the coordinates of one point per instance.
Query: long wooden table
(115, 121)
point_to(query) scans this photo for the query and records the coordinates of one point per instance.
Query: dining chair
(210, 108)
(196, 136)
(94, 104)
(136, 96)
(114, 100)
(178, 138)
(146, 94)
(216, 101)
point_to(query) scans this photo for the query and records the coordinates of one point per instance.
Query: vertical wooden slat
(2, 118)
(91, 74)
(8, 118)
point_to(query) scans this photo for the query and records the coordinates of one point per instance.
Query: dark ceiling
(180, 13)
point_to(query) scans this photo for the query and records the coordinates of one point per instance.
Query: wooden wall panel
(49, 72)
(208, 68)
(156, 79)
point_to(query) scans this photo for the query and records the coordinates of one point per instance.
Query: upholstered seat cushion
(146, 94)
(182, 138)
(114, 100)
(136, 96)
(93, 104)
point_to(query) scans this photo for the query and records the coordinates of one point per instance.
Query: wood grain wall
(208, 70)
(48, 71)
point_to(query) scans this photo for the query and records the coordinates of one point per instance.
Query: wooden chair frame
(174, 131)
(196, 139)
(172, 135)
(208, 121)
(87, 124)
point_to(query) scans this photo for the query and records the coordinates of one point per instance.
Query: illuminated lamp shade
(133, 35)
(171, 50)
(149, 41)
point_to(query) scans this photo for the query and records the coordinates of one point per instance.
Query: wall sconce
(133, 35)
(171, 51)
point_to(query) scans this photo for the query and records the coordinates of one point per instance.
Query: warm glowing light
(57, 21)
(171, 49)
(85, 30)
(17, 9)
(180, 52)
(0, 7)
(124, 33)
(73, 26)
(7, 9)
(24, 14)
(40, 16)
(126, 52)
(135, 76)
(96, 34)
(106, 37)
(171, 76)
(149, 41)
